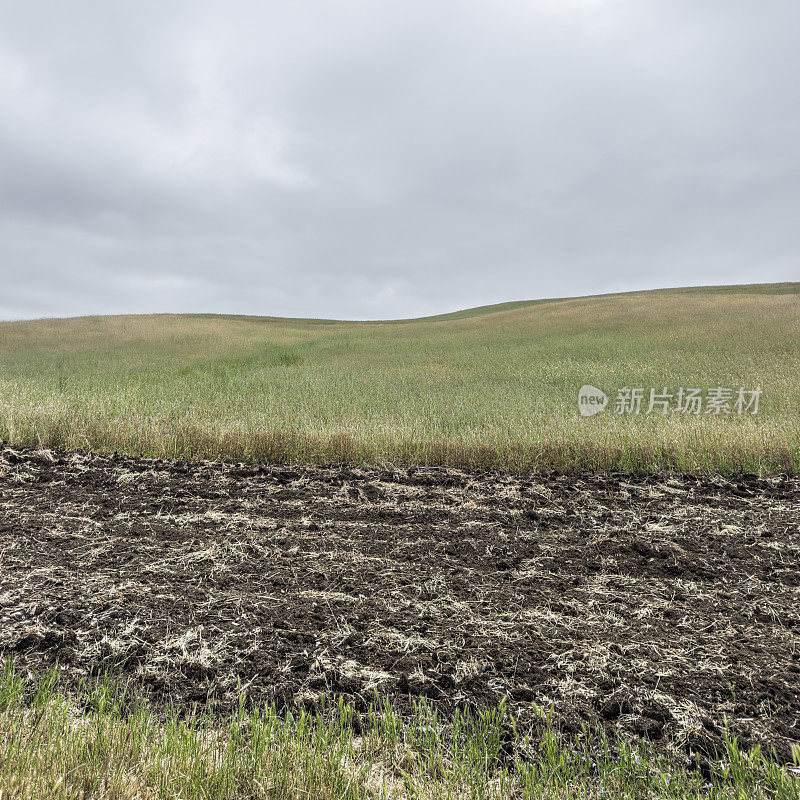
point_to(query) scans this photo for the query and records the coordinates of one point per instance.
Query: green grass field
(105, 744)
(488, 387)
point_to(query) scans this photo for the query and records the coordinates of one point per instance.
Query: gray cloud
(381, 159)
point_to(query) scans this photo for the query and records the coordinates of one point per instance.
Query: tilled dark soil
(658, 606)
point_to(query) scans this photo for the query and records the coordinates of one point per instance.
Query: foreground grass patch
(99, 744)
(482, 388)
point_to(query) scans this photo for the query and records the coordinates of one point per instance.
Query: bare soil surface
(656, 606)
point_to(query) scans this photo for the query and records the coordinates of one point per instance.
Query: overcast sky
(382, 159)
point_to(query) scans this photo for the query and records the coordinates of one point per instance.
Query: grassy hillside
(492, 386)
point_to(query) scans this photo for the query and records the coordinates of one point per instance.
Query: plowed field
(659, 606)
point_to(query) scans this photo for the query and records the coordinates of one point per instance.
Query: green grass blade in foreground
(105, 745)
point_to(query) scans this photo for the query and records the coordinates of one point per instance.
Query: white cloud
(377, 159)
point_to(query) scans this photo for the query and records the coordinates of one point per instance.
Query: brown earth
(657, 606)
